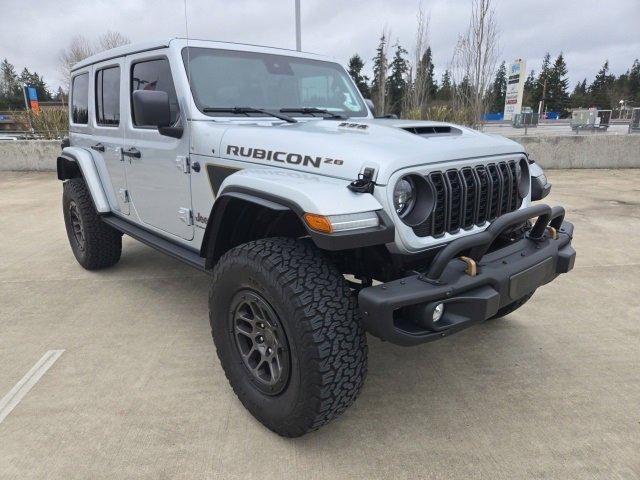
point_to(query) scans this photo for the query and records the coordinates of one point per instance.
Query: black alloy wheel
(76, 225)
(261, 341)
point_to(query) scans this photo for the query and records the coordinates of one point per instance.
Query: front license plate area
(528, 280)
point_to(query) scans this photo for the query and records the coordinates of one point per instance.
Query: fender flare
(365, 237)
(77, 162)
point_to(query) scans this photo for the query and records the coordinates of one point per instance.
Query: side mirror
(151, 108)
(370, 105)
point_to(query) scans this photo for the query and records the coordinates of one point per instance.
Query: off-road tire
(318, 313)
(512, 307)
(100, 245)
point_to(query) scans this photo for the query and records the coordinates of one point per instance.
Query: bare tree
(111, 40)
(474, 61)
(79, 48)
(417, 92)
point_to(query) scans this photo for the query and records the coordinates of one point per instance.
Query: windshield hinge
(183, 163)
(124, 195)
(186, 215)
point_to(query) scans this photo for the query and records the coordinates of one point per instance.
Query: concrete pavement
(552, 391)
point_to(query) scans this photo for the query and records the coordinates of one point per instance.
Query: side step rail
(167, 247)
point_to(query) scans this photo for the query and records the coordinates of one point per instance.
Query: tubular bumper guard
(474, 286)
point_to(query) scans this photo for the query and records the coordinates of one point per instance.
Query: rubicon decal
(282, 157)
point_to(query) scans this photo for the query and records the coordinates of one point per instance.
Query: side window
(80, 99)
(108, 97)
(155, 75)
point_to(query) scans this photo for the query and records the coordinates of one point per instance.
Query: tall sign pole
(515, 89)
(298, 31)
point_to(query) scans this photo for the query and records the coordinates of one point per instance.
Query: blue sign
(33, 95)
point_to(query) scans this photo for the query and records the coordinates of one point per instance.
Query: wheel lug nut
(260, 339)
(269, 351)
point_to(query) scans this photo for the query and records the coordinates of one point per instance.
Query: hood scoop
(433, 130)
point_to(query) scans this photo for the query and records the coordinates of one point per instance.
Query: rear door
(108, 131)
(158, 183)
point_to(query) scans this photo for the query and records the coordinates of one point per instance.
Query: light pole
(298, 30)
(621, 102)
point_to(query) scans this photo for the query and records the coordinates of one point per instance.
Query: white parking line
(17, 393)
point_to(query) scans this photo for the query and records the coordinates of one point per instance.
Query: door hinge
(186, 215)
(124, 195)
(183, 163)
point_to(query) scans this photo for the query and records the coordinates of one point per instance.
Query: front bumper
(401, 311)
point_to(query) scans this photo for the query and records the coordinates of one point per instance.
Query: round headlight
(404, 196)
(413, 199)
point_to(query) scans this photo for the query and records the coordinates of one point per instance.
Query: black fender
(286, 219)
(76, 162)
(67, 168)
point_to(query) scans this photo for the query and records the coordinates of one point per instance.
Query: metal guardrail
(546, 127)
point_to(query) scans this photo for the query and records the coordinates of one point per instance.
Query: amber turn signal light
(319, 223)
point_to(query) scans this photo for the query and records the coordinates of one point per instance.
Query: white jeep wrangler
(316, 220)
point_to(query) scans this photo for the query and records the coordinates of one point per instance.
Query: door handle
(98, 146)
(132, 152)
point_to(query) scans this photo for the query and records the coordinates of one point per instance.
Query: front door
(159, 185)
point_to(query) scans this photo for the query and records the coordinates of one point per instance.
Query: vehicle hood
(342, 149)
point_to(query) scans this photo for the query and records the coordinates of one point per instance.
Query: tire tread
(334, 343)
(103, 244)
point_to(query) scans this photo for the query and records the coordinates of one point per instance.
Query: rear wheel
(94, 243)
(287, 334)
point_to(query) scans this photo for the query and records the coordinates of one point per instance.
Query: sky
(33, 32)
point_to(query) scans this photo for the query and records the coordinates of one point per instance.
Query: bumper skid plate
(401, 311)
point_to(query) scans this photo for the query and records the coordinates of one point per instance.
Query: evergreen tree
(36, 81)
(397, 79)
(540, 88)
(446, 89)
(579, 98)
(620, 89)
(60, 96)
(426, 66)
(464, 89)
(557, 84)
(634, 83)
(379, 82)
(498, 91)
(529, 87)
(600, 89)
(10, 89)
(356, 65)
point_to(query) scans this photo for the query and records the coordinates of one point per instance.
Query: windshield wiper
(312, 110)
(247, 111)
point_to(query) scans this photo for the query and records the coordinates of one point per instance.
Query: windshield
(223, 78)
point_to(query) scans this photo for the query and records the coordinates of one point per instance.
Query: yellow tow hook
(552, 233)
(472, 267)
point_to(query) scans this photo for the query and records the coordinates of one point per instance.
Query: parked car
(316, 221)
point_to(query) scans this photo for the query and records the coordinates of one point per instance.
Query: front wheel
(287, 334)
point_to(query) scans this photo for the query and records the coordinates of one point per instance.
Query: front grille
(470, 196)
